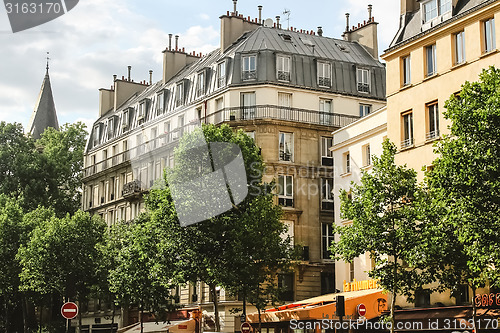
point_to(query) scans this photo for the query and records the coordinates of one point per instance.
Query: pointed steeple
(44, 114)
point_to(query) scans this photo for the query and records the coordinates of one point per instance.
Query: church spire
(44, 114)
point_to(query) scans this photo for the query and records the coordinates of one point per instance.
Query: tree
(465, 181)
(143, 271)
(63, 256)
(384, 209)
(239, 249)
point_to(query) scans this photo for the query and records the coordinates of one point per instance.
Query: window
(97, 134)
(286, 147)
(285, 191)
(180, 126)
(251, 134)
(160, 102)
(434, 8)
(327, 238)
(430, 60)
(179, 94)
(249, 70)
(462, 294)
(327, 283)
(459, 40)
(422, 297)
(347, 163)
(288, 233)
(248, 105)
(142, 110)
(406, 64)
(285, 285)
(367, 158)
(152, 141)
(364, 109)
(200, 84)
(219, 106)
(326, 194)
(125, 118)
(326, 153)
(285, 104)
(433, 121)
(407, 130)
(166, 131)
(283, 68)
(325, 111)
(221, 74)
(363, 80)
(324, 74)
(111, 128)
(489, 35)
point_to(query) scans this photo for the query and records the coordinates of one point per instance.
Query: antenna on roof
(287, 12)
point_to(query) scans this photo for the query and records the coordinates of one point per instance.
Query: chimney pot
(129, 70)
(369, 12)
(123, 78)
(150, 76)
(278, 22)
(176, 42)
(169, 42)
(235, 11)
(114, 78)
(260, 14)
(347, 22)
(183, 50)
(320, 31)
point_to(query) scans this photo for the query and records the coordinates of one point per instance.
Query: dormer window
(434, 8)
(283, 68)
(200, 84)
(363, 76)
(97, 134)
(221, 74)
(249, 69)
(324, 74)
(160, 102)
(142, 110)
(111, 128)
(179, 94)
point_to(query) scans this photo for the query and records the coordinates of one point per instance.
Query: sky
(100, 38)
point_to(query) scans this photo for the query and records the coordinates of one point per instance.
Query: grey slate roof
(44, 115)
(411, 23)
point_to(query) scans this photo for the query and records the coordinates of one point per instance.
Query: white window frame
(489, 36)
(432, 110)
(125, 119)
(285, 143)
(160, 102)
(367, 157)
(200, 84)
(179, 94)
(326, 111)
(324, 74)
(459, 47)
(142, 110)
(97, 134)
(221, 74)
(406, 69)
(111, 128)
(347, 162)
(327, 238)
(249, 67)
(365, 109)
(430, 60)
(363, 80)
(285, 183)
(326, 153)
(407, 133)
(327, 196)
(283, 68)
(434, 8)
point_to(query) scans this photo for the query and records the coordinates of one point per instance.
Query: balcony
(132, 190)
(432, 135)
(407, 143)
(258, 112)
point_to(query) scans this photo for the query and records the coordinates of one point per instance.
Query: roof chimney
(369, 13)
(176, 42)
(169, 42)
(320, 31)
(260, 14)
(235, 11)
(129, 69)
(346, 22)
(278, 22)
(114, 78)
(150, 76)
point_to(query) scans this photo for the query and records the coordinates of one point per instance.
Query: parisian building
(286, 88)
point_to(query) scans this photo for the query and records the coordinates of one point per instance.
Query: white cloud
(204, 16)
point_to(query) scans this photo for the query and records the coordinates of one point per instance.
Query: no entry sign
(361, 309)
(246, 327)
(69, 310)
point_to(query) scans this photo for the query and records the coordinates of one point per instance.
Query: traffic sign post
(246, 327)
(69, 310)
(361, 309)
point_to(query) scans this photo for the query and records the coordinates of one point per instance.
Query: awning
(323, 307)
(178, 326)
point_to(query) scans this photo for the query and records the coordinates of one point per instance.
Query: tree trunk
(41, 317)
(393, 300)
(80, 319)
(141, 314)
(260, 321)
(113, 316)
(216, 307)
(24, 306)
(474, 310)
(6, 311)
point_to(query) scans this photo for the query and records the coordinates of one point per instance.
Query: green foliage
(465, 183)
(63, 256)
(241, 249)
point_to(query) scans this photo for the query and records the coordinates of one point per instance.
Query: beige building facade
(288, 89)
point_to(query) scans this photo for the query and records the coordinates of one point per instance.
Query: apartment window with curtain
(179, 94)
(435, 8)
(432, 121)
(326, 153)
(363, 78)
(407, 135)
(326, 194)
(160, 102)
(221, 74)
(283, 68)
(327, 238)
(406, 70)
(430, 60)
(285, 191)
(248, 101)
(367, 158)
(347, 162)
(286, 147)
(249, 69)
(459, 47)
(200, 84)
(324, 74)
(489, 35)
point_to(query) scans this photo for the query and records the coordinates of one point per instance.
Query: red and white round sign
(246, 327)
(361, 309)
(69, 310)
